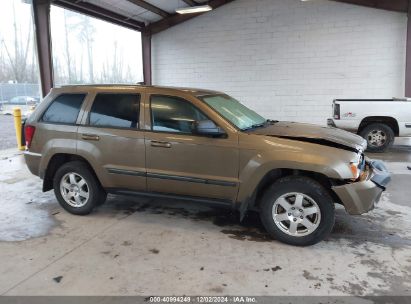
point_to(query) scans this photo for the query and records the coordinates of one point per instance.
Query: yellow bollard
(17, 126)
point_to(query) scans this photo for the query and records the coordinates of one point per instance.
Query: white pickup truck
(376, 120)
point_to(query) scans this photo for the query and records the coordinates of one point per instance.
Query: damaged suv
(200, 145)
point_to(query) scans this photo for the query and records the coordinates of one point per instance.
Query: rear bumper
(361, 197)
(33, 162)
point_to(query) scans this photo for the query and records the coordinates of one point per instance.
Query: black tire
(96, 194)
(308, 187)
(378, 128)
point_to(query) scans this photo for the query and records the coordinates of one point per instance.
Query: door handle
(90, 137)
(161, 144)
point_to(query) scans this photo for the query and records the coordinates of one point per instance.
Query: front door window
(173, 114)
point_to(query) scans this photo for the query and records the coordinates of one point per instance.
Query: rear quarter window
(64, 109)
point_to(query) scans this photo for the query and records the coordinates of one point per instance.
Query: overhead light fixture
(194, 9)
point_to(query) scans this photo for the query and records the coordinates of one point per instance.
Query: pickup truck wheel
(297, 210)
(77, 189)
(379, 137)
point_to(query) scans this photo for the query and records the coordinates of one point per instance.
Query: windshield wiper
(260, 125)
(255, 126)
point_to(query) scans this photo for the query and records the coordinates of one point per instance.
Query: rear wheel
(379, 137)
(77, 189)
(297, 210)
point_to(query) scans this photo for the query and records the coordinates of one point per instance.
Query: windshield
(232, 110)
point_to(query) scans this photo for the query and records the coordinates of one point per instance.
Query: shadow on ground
(357, 229)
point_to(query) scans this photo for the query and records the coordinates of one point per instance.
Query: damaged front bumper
(360, 197)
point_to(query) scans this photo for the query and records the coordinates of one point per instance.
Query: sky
(104, 38)
(23, 12)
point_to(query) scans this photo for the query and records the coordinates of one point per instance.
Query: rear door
(111, 139)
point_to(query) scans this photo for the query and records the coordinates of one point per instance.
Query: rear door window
(115, 111)
(64, 109)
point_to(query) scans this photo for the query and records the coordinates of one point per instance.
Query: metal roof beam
(152, 8)
(100, 13)
(175, 19)
(190, 2)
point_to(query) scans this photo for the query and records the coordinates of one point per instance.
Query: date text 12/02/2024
(203, 299)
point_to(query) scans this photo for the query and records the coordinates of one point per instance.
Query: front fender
(328, 161)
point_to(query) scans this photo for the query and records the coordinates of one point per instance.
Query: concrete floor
(135, 246)
(7, 132)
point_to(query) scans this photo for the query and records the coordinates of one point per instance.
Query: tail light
(336, 111)
(29, 133)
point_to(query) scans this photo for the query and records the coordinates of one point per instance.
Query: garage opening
(87, 50)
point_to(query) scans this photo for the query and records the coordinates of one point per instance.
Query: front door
(180, 162)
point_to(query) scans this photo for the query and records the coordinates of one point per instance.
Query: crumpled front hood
(314, 134)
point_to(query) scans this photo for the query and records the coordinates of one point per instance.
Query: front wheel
(297, 210)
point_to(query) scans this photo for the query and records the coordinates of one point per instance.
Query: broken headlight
(357, 167)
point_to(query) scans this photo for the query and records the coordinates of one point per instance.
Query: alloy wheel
(74, 190)
(296, 214)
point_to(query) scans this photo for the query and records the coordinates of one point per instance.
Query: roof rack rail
(101, 85)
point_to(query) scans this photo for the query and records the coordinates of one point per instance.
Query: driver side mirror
(208, 127)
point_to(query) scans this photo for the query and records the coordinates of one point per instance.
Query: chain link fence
(10, 90)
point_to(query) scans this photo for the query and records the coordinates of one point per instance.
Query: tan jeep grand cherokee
(87, 141)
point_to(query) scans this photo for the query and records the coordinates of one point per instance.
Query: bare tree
(33, 68)
(86, 31)
(58, 77)
(81, 66)
(67, 50)
(3, 66)
(18, 58)
(113, 67)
